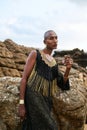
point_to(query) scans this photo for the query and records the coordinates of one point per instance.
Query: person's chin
(55, 47)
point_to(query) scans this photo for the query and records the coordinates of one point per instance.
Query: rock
(12, 58)
(79, 56)
(2, 125)
(69, 106)
(9, 98)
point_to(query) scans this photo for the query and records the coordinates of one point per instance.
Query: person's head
(50, 39)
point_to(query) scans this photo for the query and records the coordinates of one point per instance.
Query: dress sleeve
(60, 82)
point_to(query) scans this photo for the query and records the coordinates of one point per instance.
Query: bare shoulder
(32, 54)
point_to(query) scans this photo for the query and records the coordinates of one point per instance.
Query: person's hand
(68, 61)
(22, 112)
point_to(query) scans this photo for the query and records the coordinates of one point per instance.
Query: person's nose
(55, 40)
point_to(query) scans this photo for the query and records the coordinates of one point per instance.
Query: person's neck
(47, 51)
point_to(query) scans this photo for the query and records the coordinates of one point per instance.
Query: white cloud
(12, 21)
(80, 2)
(26, 21)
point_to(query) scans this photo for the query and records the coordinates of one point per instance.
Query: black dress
(42, 84)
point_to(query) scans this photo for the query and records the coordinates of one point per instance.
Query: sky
(26, 21)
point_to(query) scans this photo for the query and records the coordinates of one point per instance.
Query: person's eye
(51, 38)
(56, 37)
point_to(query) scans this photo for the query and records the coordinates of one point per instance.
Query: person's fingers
(66, 56)
(22, 117)
(71, 61)
(21, 111)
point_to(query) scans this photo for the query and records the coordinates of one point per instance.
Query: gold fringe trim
(49, 60)
(41, 85)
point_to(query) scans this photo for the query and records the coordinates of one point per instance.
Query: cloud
(26, 21)
(80, 2)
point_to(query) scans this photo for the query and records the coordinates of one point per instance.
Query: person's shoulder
(33, 54)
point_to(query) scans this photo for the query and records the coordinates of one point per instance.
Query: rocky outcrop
(79, 56)
(12, 58)
(9, 97)
(70, 106)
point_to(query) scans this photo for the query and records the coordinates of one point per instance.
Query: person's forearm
(22, 88)
(66, 74)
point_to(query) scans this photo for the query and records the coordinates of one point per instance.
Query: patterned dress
(42, 84)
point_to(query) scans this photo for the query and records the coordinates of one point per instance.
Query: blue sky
(25, 21)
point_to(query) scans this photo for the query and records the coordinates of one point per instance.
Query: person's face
(51, 40)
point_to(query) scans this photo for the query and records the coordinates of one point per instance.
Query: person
(41, 79)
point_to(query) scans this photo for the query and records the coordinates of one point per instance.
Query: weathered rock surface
(12, 58)
(70, 106)
(79, 56)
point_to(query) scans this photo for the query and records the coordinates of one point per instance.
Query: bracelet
(21, 101)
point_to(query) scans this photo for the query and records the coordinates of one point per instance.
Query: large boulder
(70, 106)
(12, 58)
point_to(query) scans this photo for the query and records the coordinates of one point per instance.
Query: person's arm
(27, 71)
(62, 80)
(68, 62)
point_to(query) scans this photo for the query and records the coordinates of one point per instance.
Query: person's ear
(44, 41)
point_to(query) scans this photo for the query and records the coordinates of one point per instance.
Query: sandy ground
(85, 127)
